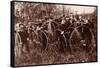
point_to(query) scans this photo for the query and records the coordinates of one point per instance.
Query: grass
(52, 55)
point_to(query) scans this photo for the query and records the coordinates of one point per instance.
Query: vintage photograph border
(12, 40)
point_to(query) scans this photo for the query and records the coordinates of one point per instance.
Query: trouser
(62, 42)
(25, 47)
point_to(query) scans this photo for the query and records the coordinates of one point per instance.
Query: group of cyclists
(49, 29)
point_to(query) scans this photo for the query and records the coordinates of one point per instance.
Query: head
(63, 21)
(71, 16)
(86, 21)
(21, 26)
(63, 18)
(67, 18)
(29, 23)
(80, 17)
(46, 18)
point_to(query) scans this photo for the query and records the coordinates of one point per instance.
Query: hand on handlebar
(41, 27)
(38, 28)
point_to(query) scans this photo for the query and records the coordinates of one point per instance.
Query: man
(30, 28)
(72, 20)
(61, 34)
(23, 35)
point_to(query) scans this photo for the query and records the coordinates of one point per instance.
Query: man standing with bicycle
(61, 33)
(22, 34)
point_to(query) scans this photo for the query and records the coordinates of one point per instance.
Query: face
(67, 19)
(29, 24)
(71, 14)
(21, 26)
(71, 17)
(80, 17)
(63, 21)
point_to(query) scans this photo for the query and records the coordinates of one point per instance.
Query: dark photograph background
(48, 33)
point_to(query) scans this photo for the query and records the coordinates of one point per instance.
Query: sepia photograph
(52, 33)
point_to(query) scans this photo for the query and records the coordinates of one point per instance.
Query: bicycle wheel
(74, 39)
(62, 41)
(80, 37)
(43, 37)
(18, 46)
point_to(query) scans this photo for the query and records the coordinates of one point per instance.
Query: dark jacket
(24, 35)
